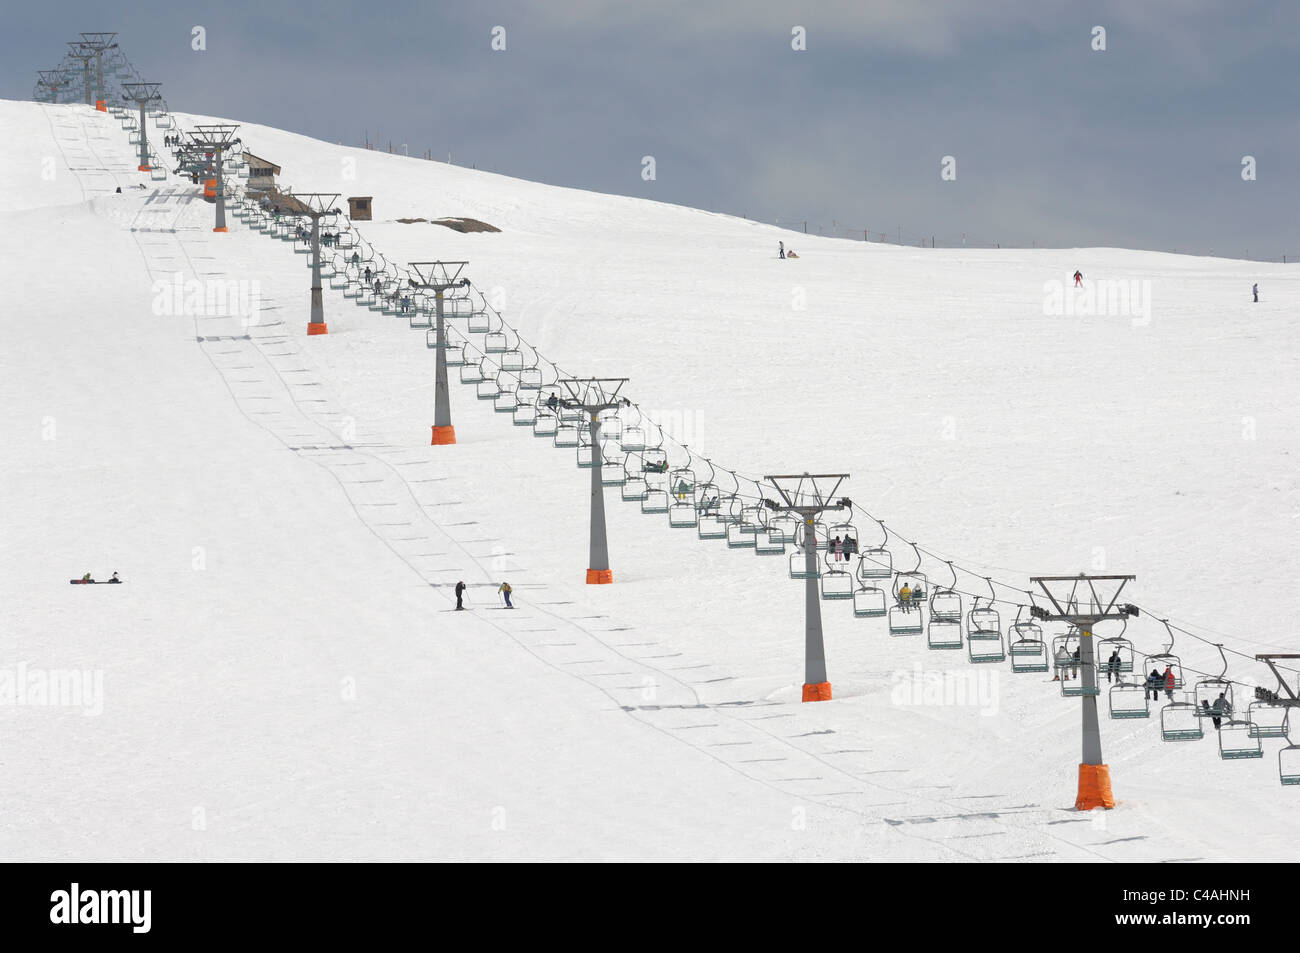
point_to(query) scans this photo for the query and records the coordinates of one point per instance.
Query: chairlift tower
(593, 396)
(314, 205)
(216, 138)
(52, 80)
(79, 51)
(808, 498)
(142, 94)
(1077, 601)
(439, 277)
(97, 43)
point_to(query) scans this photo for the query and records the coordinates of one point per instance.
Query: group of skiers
(503, 590)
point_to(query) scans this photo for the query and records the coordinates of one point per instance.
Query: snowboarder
(780, 249)
(1154, 681)
(1078, 277)
(505, 590)
(460, 592)
(1254, 289)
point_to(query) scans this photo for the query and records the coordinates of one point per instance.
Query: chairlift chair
(868, 602)
(1288, 759)
(837, 578)
(741, 533)
(798, 559)
(566, 434)
(943, 633)
(905, 620)
(479, 322)
(633, 439)
(945, 601)
(1207, 690)
(1179, 722)
(655, 500)
(1237, 742)
(1028, 650)
(765, 544)
(634, 487)
(495, 342)
(1129, 700)
(545, 425)
(984, 630)
(1166, 660)
(530, 378)
(488, 389)
(471, 373)
(1267, 720)
(525, 413)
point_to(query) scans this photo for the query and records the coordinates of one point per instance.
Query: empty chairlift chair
(984, 631)
(634, 487)
(869, 602)
(1288, 759)
(1237, 743)
(875, 563)
(799, 563)
(1267, 720)
(1180, 722)
(1028, 650)
(1129, 699)
(837, 577)
(742, 532)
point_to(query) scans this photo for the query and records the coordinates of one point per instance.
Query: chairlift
(868, 602)
(488, 389)
(566, 434)
(742, 533)
(876, 562)
(799, 558)
(911, 589)
(1212, 694)
(984, 630)
(1237, 742)
(1288, 758)
(545, 425)
(1028, 650)
(1267, 719)
(905, 620)
(945, 601)
(634, 487)
(1179, 722)
(765, 544)
(841, 545)
(479, 322)
(1116, 645)
(943, 633)
(1166, 659)
(1129, 700)
(837, 578)
(525, 412)
(684, 511)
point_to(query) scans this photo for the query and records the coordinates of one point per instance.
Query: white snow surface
(282, 678)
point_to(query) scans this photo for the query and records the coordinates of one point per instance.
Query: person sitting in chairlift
(1220, 708)
(1062, 665)
(552, 402)
(836, 548)
(905, 596)
(682, 490)
(1112, 666)
(1154, 683)
(1170, 682)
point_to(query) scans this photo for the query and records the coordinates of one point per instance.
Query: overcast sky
(1140, 145)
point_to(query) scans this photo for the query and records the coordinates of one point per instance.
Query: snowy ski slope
(281, 679)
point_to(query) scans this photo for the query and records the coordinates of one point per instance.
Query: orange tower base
(315, 328)
(224, 229)
(820, 692)
(101, 105)
(143, 168)
(1094, 788)
(600, 577)
(443, 436)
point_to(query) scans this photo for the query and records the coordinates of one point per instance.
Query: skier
(87, 578)
(114, 578)
(791, 254)
(1078, 277)
(780, 249)
(460, 592)
(1062, 665)
(1170, 682)
(505, 590)
(1254, 289)
(1154, 681)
